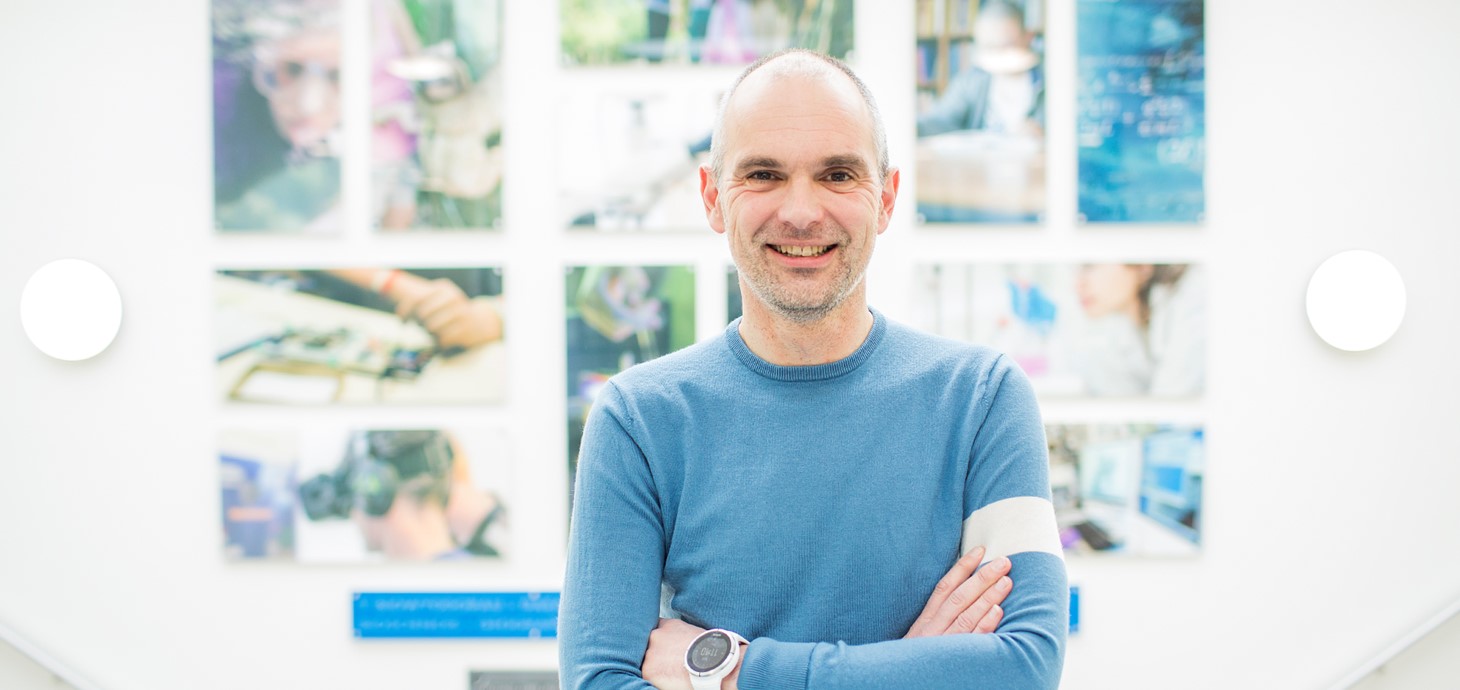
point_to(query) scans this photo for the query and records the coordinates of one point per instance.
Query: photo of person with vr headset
(411, 494)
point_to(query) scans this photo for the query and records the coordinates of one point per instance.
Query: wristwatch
(711, 657)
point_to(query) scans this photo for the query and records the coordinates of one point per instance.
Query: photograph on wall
(276, 116)
(256, 473)
(619, 316)
(1141, 111)
(700, 32)
(629, 159)
(980, 111)
(1101, 330)
(436, 105)
(323, 495)
(1129, 489)
(360, 336)
(734, 300)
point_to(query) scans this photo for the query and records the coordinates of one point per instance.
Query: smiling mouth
(802, 250)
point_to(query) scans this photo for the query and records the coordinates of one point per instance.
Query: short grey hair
(803, 63)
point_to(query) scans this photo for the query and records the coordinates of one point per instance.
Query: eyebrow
(756, 162)
(837, 161)
(845, 161)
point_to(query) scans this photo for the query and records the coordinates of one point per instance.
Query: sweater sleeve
(610, 600)
(1007, 508)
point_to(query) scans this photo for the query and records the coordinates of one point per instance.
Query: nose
(313, 96)
(801, 206)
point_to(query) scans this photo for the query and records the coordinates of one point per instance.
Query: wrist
(383, 280)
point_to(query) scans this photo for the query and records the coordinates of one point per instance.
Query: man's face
(800, 197)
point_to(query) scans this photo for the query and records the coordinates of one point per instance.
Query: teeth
(794, 250)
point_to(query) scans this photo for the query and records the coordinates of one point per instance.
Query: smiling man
(819, 497)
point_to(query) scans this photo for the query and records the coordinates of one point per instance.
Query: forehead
(779, 114)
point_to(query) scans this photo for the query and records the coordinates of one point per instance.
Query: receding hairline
(800, 62)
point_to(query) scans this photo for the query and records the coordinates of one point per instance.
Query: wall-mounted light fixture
(70, 309)
(1356, 300)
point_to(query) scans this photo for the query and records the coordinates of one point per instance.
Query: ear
(889, 197)
(710, 195)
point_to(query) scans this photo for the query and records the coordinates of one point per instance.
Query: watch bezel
(731, 656)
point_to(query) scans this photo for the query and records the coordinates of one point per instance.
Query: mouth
(803, 250)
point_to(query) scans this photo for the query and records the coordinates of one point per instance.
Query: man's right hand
(965, 601)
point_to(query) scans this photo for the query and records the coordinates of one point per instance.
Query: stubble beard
(801, 306)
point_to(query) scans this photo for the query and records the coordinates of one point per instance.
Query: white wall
(1330, 507)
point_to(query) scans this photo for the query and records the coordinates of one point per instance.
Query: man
(808, 481)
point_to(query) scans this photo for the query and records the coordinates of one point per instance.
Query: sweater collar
(811, 372)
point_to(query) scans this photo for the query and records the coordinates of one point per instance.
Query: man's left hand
(664, 660)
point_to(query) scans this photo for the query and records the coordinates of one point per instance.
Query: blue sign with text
(456, 615)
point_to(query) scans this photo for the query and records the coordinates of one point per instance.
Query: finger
(417, 300)
(961, 570)
(957, 575)
(441, 318)
(967, 595)
(969, 619)
(991, 620)
(458, 333)
(439, 298)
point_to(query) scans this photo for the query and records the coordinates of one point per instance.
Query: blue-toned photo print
(1127, 488)
(1142, 111)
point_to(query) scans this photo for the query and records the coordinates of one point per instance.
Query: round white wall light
(70, 309)
(1356, 300)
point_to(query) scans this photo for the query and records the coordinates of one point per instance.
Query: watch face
(708, 652)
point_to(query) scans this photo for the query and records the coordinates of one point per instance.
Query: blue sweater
(812, 509)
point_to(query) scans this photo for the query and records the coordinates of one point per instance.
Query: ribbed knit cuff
(772, 665)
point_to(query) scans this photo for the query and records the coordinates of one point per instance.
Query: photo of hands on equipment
(360, 335)
(980, 111)
(700, 32)
(618, 316)
(1133, 489)
(631, 159)
(364, 495)
(1100, 330)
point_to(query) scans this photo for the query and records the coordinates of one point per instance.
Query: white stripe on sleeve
(1020, 524)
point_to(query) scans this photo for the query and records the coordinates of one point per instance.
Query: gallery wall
(1328, 508)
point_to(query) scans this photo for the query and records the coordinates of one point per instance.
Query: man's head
(799, 181)
(805, 62)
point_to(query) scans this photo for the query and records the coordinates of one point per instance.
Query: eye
(760, 178)
(840, 179)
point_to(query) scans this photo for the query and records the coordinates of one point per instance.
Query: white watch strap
(704, 682)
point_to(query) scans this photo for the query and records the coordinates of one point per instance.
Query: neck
(784, 342)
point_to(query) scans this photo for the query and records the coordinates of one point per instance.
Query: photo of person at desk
(981, 140)
(360, 335)
(1132, 489)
